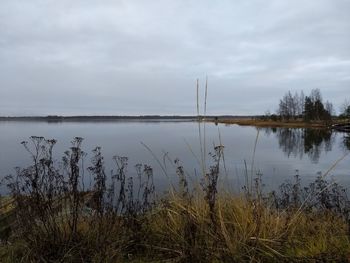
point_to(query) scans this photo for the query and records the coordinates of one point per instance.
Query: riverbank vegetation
(272, 121)
(309, 108)
(53, 215)
(299, 111)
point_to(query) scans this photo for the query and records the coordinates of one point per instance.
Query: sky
(136, 57)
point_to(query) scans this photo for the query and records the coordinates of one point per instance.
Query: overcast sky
(117, 57)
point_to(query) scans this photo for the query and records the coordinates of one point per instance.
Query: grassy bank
(270, 123)
(278, 123)
(182, 230)
(51, 217)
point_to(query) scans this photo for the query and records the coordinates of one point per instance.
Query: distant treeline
(56, 118)
(309, 108)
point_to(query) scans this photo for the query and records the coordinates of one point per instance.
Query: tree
(315, 95)
(314, 109)
(329, 108)
(347, 112)
(318, 107)
(289, 106)
(345, 109)
(283, 110)
(318, 110)
(301, 101)
(308, 109)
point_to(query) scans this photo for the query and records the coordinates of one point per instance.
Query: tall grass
(53, 218)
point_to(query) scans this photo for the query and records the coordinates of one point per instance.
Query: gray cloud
(142, 57)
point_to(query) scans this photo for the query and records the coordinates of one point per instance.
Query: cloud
(141, 57)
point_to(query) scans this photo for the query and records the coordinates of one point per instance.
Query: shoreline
(55, 118)
(275, 124)
(334, 124)
(223, 119)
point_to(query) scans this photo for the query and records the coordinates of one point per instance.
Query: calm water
(279, 152)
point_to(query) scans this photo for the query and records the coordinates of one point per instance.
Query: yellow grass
(180, 229)
(270, 123)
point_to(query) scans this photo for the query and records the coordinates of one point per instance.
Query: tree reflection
(315, 140)
(346, 141)
(297, 142)
(291, 141)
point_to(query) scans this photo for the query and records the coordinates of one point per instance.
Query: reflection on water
(276, 156)
(346, 141)
(297, 142)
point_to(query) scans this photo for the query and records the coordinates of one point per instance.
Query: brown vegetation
(54, 218)
(258, 122)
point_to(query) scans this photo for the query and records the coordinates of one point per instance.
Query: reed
(51, 217)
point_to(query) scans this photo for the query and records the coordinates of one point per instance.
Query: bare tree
(345, 109)
(329, 108)
(301, 103)
(289, 106)
(316, 95)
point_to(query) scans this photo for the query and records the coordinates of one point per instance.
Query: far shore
(337, 124)
(112, 118)
(257, 121)
(275, 124)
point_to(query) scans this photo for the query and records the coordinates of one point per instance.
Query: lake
(279, 153)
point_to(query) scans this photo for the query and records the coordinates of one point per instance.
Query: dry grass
(181, 230)
(271, 123)
(246, 231)
(53, 220)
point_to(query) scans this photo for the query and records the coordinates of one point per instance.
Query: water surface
(279, 153)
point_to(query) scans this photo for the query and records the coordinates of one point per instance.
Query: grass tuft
(51, 216)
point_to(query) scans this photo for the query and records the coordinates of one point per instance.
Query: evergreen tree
(308, 109)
